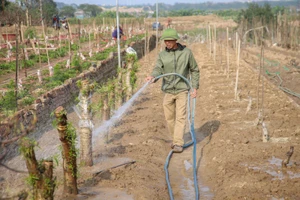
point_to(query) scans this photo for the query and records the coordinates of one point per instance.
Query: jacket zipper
(175, 63)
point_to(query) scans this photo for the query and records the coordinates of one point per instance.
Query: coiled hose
(191, 116)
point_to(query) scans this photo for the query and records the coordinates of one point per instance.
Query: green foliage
(90, 10)
(104, 54)
(255, 11)
(74, 47)
(26, 150)
(187, 12)
(31, 78)
(28, 100)
(31, 180)
(85, 65)
(135, 38)
(71, 137)
(228, 14)
(79, 83)
(28, 63)
(67, 11)
(8, 102)
(133, 77)
(112, 14)
(11, 84)
(49, 9)
(76, 63)
(44, 58)
(30, 32)
(4, 3)
(57, 79)
(131, 57)
(7, 67)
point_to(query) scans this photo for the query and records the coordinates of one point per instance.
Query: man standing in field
(176, 58)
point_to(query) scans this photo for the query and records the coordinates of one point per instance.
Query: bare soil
(232, 160)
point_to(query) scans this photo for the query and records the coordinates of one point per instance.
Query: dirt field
(232, 160)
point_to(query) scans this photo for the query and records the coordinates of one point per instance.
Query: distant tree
(278, 9)
(255, 11)
(11, 12)
(49, 9)
(94, 10)
(4, 4)
(31, 8)
(112, 14)
(67, 11)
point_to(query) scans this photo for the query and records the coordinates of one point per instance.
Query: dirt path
(232, 160)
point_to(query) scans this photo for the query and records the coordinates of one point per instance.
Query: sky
(128, 2)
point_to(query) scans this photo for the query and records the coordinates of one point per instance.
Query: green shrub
(8, 102)
(74, 47)
(85, 65)
(11, 84)
(30, 32)
(28, 100)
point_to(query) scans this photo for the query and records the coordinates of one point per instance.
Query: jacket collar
(180, 48)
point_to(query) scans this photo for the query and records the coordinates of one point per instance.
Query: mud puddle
(273, 168)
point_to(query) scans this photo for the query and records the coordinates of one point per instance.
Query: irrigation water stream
(99, 132)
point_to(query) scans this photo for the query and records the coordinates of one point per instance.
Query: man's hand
(193, 93)
(150, 79)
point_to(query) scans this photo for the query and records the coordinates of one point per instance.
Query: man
(176, 58)
(115, 33)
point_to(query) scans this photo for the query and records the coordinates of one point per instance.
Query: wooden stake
(236, 43)
(237, 70)
(41, 11)
(227, 52)
(209, 35)
(215, 43)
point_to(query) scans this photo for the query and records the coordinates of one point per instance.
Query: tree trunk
(86, 156)
(119, 90)
(112, 99)
(40, 175)
(128, 84)
(106, 107)
(66, 136)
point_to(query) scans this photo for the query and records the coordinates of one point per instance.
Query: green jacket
(180, 61)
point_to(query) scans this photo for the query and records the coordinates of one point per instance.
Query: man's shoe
(177, 149)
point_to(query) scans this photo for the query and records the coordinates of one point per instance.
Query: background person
(115, 33)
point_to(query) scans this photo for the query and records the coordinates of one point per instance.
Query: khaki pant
(175, 106)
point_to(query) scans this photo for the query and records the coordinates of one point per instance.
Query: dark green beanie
(169, 34)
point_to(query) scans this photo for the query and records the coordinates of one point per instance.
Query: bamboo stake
(221, 52)
(145, 44)
(227, 52)
(17, 61)
(79, 43)
(258, 79)
(215, 43)
(59, 39)
(262, 82)
(44, 31)
(209, 41)
(236, 43)
(237, 70)
(69, 32)
(207, 37)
